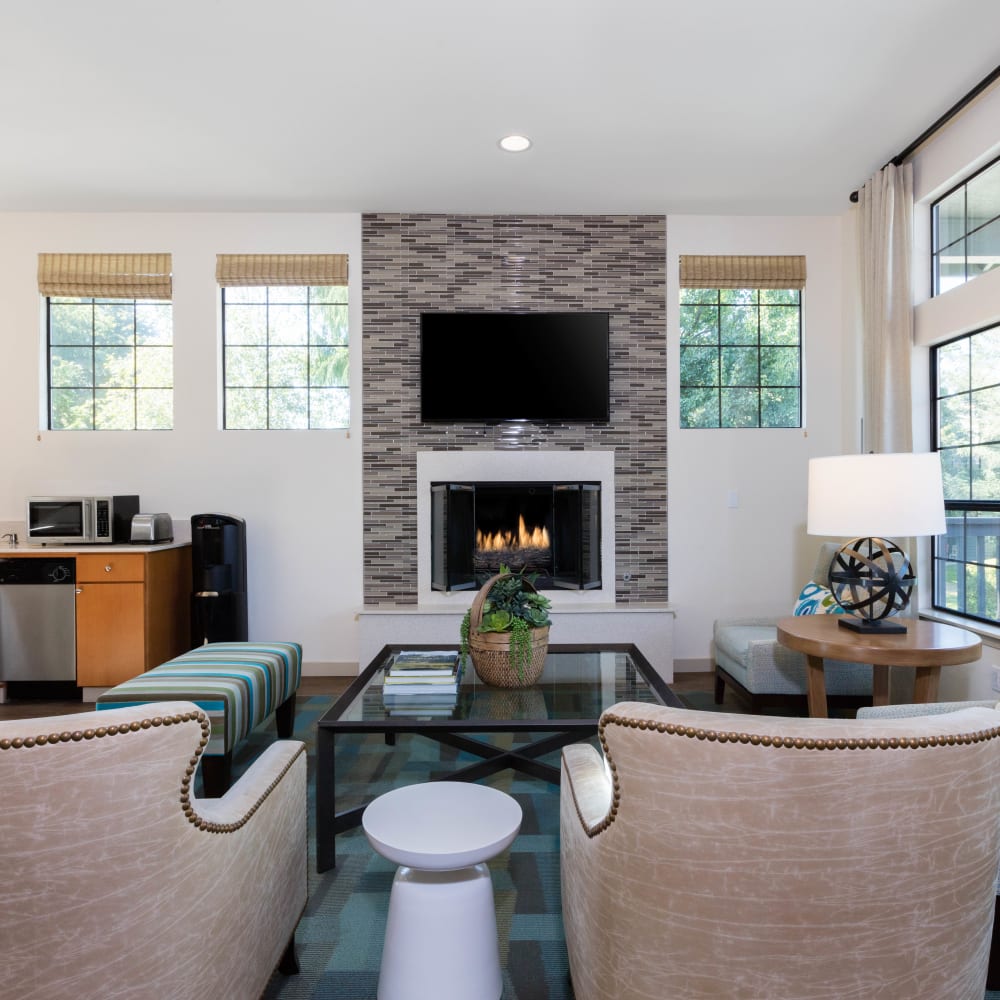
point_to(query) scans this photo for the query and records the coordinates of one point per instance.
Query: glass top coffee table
(564, 706)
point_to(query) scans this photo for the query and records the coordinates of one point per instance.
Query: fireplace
(551, 530)
(517, 467)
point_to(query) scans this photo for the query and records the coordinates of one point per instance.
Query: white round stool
(441, 932)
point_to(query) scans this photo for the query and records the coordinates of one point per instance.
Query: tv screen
(545, 367)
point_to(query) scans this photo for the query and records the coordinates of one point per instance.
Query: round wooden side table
(925, 646)
(441, 931)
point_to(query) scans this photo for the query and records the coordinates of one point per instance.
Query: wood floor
(31, 708)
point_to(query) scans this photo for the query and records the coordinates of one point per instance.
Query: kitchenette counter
(54, 551)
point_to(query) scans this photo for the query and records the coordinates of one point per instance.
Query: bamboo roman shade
(105, 275)
(718, 271)
(233, 269)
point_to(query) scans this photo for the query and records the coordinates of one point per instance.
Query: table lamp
(870, 498)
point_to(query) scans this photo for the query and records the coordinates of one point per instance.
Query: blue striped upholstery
(237, 684)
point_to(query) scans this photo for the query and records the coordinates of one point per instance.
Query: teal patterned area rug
(339, 939)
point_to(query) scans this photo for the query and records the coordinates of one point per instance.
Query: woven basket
(490, 651)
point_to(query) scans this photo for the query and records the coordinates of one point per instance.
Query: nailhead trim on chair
(75, 736)
(756, 739)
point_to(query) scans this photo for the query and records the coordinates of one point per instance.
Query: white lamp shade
(885, 496)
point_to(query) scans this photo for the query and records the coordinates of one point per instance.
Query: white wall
(754, 559)
(299, 491)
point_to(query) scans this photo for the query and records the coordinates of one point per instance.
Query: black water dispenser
(219, 579)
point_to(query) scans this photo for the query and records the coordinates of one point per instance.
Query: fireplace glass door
(549, 530)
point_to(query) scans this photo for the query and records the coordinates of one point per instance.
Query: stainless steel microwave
(80, 520)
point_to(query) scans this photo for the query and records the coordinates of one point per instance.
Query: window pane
(114, 367)
(329, 366)
(71, 409)
(71, 323)
(986, 415)
(114, 323)
(699, 324)
(953, 420)
(986, 472)
(328, 324)
(154, 409)
(246, 409)
(738, 325)
(287, 293)
(951, 267)
(779, 408)
(114, 410)
(949, 219)
(154, 367)
(985, 357)
(738, 296)
(288, 324)
(245, 324)
(329, 408)
(288, 409)
(246, 366)
(740, 366)
(289, 366)
(953, 367)
(779, 366)
(984, 249)
(699, 366)
(956, 473)
(154, 323)
(776, 296)
(699, 407)
(779, 325)
(71, 366)
(328, 293)
(740, 408)
(245, 294)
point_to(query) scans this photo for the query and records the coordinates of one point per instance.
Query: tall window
(286, 354)
(966, 230)
(966, 388)
(110, 341)
(741, 341)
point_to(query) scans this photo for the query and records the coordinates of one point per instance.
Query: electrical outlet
(996, 678)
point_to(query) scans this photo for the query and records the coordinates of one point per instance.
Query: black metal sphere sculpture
(871, 579)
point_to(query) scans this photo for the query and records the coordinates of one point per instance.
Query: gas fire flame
(497, 541)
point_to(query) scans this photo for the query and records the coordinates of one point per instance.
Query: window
(109, 332)
(965, 376)
(285, 341)
(965, 227)
(741, 341)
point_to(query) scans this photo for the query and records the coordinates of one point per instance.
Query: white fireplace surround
(578, 616)
(517, 467)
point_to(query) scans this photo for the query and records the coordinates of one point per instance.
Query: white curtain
(885, 248)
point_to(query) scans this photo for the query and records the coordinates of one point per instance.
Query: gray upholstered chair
(119, 882)
(751, 662)
(714, 855)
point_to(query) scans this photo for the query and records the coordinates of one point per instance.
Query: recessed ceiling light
(515, 143)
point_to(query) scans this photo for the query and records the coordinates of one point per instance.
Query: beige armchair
(119, 883)
(737, 856)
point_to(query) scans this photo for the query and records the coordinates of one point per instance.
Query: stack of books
(422, 682)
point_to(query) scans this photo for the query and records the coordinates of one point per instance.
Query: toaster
(149, 528)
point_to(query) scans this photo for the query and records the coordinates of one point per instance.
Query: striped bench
(236, 684)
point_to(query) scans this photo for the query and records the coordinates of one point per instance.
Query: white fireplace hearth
(578, 616)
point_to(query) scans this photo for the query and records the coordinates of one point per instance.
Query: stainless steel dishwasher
(38, 619)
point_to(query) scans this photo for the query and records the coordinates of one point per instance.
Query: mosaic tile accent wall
(413, 263)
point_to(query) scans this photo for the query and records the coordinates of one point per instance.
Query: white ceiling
(711, 106)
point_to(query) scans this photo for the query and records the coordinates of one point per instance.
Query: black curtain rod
(901, 157)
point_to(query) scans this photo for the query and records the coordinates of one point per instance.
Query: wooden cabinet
(132, 612)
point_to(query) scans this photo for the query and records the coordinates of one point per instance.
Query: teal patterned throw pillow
(816, 599)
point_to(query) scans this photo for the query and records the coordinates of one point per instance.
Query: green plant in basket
(513, 606)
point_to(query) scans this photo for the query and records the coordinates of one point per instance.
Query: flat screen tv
(488, 367)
